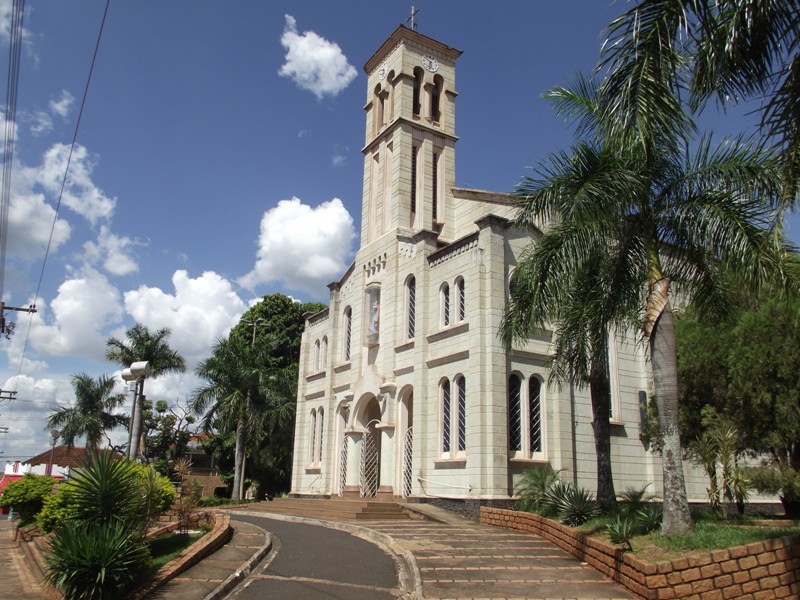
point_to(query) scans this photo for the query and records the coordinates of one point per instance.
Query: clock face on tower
(383, 71)
(430, 63)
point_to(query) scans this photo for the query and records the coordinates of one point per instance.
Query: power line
(63, 181)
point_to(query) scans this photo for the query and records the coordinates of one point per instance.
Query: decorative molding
(448, 358)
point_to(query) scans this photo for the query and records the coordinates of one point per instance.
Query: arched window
(435, 187)
(534, 415)
(312, 446)
(321, 419)
(514, 413)
(323, 354)
(461, 299)
(347, 331)
(315, 361)
(378, 103)
(411, 307)
(446, 416)
(444, 305)
(436, 98)
(461, 390)
(416, 107)
(414, 167)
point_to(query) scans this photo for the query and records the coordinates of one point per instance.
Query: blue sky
(218, 160)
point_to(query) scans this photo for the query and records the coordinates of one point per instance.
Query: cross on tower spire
(412, 19)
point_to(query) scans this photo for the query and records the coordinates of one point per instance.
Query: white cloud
(80, 193)
(60, 107)
(113, 251)
(63, 105)
(314, 63)
(339, 158)
(199, 312)
(30, 220)
(304, 247)
(85, 306)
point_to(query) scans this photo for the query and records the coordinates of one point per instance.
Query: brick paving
(18, 582)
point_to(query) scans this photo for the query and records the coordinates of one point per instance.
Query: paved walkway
(454, 559)
(17, 580)
(309, 562)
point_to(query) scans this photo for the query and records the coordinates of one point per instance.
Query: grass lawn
(166, 547)
(709, 534)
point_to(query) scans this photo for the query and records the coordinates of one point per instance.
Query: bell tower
(409, 151)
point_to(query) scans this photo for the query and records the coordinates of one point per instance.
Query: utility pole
(4, 329)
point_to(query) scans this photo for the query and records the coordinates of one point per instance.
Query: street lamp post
(54, 433)
(138, 372)
(259, 322)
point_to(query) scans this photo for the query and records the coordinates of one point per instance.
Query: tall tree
(672, 221)
(141, 344)
(282, 319)
(580, 312)
(241, 393)
(92, 413)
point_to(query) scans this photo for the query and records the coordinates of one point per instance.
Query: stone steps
(325, 508)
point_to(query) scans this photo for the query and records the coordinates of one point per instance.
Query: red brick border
(759, 571)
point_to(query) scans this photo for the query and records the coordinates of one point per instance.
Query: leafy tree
(92, 413)
(239, 392)
(141, 344)
(281, 318)
(671, 220)
(764, 365)
(167, 430)
(27, 496)
(280, 321)
(749, 378)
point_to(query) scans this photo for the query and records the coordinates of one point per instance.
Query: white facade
(405, 388)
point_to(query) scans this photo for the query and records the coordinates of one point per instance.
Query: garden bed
(765, 569)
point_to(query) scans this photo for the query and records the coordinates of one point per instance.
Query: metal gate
(368, 484)
(342, 466)
(408, 445)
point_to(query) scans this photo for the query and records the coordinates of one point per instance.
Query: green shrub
(95, 561)
(156, 493)
(633, 499)
(27, 495)
(577, 506)
(57, 510)
(533, 488)
(649, 517)
(621, 530)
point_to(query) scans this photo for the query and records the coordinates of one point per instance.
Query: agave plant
(90, 561)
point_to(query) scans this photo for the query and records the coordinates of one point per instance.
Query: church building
(405, 388)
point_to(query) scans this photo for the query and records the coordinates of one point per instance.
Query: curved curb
(224, 588)
(409, 574)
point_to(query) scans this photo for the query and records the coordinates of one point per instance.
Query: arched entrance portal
(369, 476)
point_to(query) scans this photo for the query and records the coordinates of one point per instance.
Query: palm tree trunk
(664, 361)
(601, 407)
(238, 459)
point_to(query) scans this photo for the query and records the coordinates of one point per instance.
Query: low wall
(206, 545)
(759, 571)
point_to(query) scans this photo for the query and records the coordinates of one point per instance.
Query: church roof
(403, 33)
(63, 456)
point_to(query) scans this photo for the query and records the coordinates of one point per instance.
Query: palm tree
(660, 50)
(92, 413)
(242, 393)
(580, 313)
(671, 222)
(144, 345)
